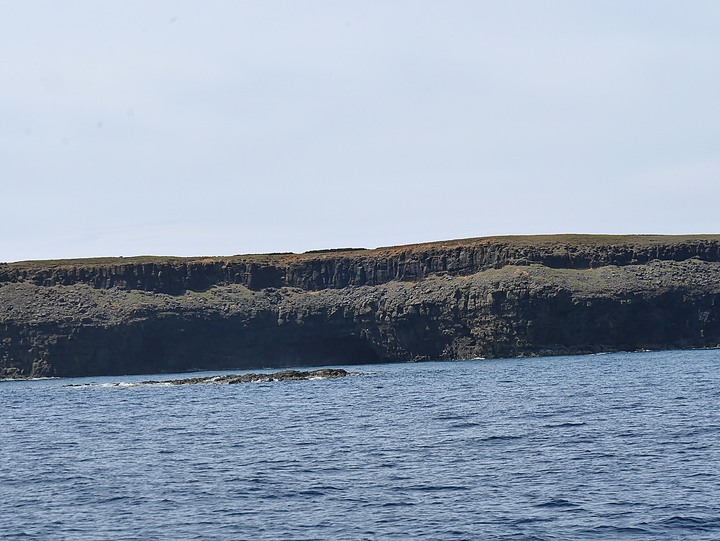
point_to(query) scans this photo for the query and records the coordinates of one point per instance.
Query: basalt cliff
(484, 297)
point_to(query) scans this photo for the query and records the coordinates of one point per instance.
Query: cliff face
(453, 300)
(341, 269)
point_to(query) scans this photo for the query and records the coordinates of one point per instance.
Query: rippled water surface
(595, 447)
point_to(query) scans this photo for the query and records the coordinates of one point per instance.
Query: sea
(615, 446)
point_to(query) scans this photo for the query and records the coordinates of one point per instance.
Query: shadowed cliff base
(486, 297)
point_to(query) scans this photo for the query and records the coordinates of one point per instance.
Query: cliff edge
(484, 297)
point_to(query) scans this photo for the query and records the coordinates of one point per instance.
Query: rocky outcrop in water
(491, 297)
(233, 379)
(283, 375)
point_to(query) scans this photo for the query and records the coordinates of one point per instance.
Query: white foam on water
(29, 379)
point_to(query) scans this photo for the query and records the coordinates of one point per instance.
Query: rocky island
(461, 299)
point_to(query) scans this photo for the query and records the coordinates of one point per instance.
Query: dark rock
(285, 375)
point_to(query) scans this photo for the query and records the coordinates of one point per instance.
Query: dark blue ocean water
(594, 447)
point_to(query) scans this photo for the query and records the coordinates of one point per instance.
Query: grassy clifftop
(577, 241)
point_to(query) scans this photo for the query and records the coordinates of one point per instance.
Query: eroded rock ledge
(489, 297)
(337, 269)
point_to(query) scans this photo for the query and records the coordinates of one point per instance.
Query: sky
(228, 127)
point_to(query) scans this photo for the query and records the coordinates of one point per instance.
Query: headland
(460, 299)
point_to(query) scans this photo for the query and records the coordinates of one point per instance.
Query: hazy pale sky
(225, 127)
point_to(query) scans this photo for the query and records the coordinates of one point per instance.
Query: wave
(500, 437)
(565, 424)
(695, 523)
(556, 503)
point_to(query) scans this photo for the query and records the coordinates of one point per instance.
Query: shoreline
(258, 377)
